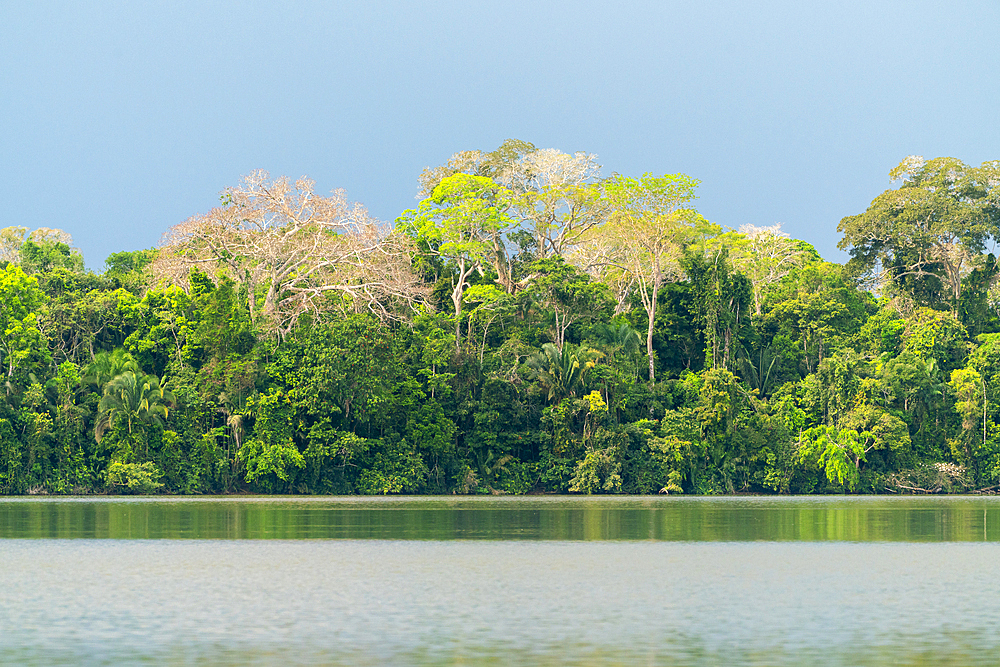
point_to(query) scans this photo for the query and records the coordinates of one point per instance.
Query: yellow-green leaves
(20, 299)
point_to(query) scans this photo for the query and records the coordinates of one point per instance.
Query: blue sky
(121, 119)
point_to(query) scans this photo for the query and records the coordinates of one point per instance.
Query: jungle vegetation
(528, 327)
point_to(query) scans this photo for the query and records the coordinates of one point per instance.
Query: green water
(853, 519)
(490, 581)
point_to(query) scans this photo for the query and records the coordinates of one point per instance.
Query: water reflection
(486, 581)
(853, 519)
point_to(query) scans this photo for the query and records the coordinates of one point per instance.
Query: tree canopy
(530, 326)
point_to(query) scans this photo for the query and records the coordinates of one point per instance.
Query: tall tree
(651, 219)
(559, 199)
(463, 221)
(20, 299)
(722, 297)
(932, 228)
(765, 256)
(499, 165)
(291, 249)
(566, 293)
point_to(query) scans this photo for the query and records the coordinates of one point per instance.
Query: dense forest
(528, 327)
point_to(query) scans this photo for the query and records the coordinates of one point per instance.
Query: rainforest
(529, 326)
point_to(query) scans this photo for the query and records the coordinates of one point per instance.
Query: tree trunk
(456, 299)
(649, 334)
(725, 352)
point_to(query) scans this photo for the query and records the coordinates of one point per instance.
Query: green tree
(108, 365)
(724, 297)
(934, 227)
(764, 255)
(463, 221)
(270, 454)
(561, 372)
(20, 299)
(566, 293)
(134, 400)
(842, 451)
(651, 219)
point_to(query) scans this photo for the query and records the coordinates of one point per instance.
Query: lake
(489, 581)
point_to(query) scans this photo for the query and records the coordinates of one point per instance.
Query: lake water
(490, 581)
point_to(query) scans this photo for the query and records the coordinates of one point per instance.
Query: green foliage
(270, 455)
(43, 255)
(841, 451)
(677, 452)
(781, 376)
(393, 469)
(134, 478)
(122, 264)
(20, 337)
(929, 232)
(133, 401)
(598, 471)
(724, 299)
(562, 372)
(936, 335)
(882, 334)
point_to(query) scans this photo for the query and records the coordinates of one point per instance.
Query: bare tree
(560, 199)
(600, 256)
(293, 251)
(765, 256)
(11, 240)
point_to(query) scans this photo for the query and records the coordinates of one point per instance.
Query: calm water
(657, 581)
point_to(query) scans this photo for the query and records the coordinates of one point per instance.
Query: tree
(290, 250)
(135, 400)
(271, 450)
(47, 249)
(556, 199)
(561, 371)
(765, 256)
(463, 221)
(841, 451)
(108, 365)
(40, 250)
(20, 298)
(929, 233)
(566, 292)
(819, 309)
(723, 297)
(128, 269)
(499, 165)
(650, 221)
(559, 199)
(914, 381)
(598, 256)
(11, 240)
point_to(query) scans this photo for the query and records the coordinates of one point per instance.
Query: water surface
(808, 518)
(621, 581)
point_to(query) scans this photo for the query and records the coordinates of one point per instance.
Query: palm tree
(618, 341)
(757, 371)
(107, 365)
(561, 371)
(135, 400)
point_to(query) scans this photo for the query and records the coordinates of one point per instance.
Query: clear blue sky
(120, 119)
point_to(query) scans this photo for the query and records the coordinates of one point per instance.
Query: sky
(121, 119)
